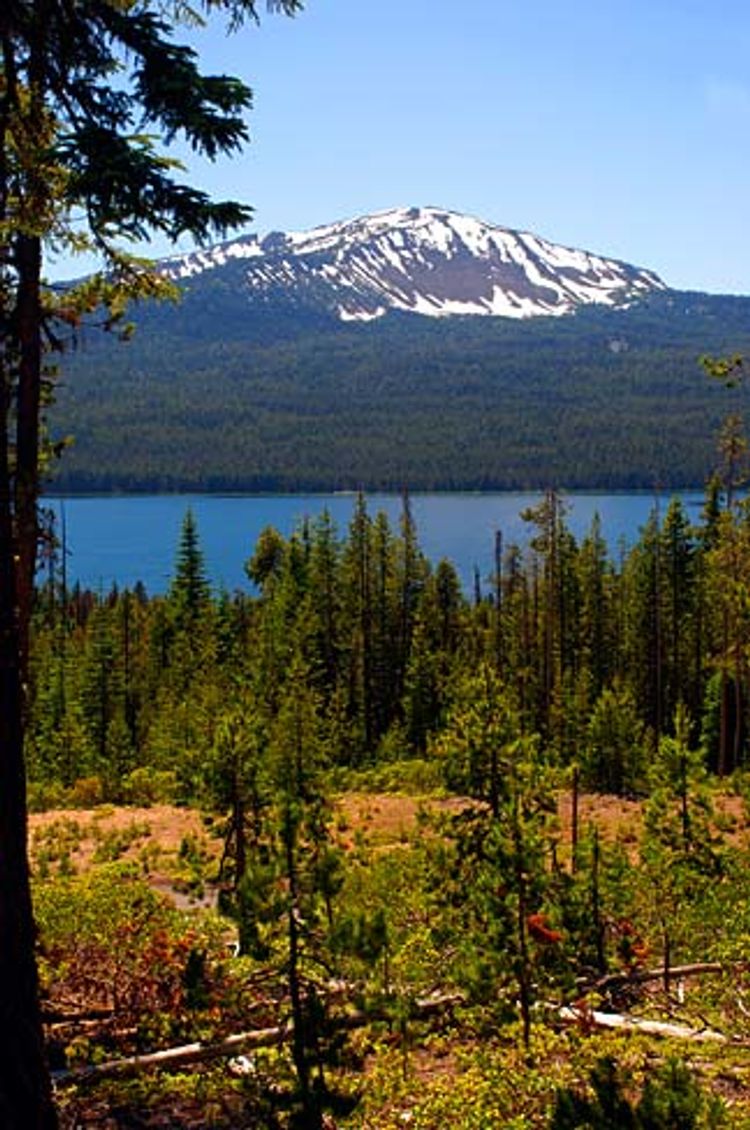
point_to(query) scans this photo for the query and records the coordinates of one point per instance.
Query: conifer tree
(265, 565)
(269, 770)
(325, 591)
(84, 88)
(596, 636)
(189, 591)
(681, 856)
(613, 757)
(501, 869)
(102, 700)
(555, 595)
(239, 782)
(357, 576)
(644, 629)
(677, 557)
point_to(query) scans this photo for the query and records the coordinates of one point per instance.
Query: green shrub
(671, 1100)
(87, 792)
(145, 787)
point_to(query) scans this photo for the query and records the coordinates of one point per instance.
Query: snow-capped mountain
(422, 260)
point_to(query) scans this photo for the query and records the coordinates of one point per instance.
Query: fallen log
(237, 1044)
(58, 1016)
(592, 1018)
(243, 1042)
(641, 976)
(176, 1057)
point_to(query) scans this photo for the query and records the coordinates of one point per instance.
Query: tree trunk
(523, 963)
(28, 319)
(310, 1106)
(25, 1093)
(574, 797)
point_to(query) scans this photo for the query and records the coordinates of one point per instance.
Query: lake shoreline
(125, 539)
(535, 491)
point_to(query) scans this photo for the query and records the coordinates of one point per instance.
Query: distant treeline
(216, 396)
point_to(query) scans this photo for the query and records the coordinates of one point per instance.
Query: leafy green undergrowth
(413, 776)
(109, 940)
(113, 949)
(143, 787)
(457, 1078)
(477, 1083)
(388, 923)
(209, 1099)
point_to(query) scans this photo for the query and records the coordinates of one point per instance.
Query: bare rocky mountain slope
(421, 260)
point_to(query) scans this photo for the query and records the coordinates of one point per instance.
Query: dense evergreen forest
(384, 642)
(601, 399)
(472, 960)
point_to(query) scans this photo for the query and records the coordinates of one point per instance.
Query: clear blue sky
(622, 128)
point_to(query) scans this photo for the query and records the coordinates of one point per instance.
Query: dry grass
(169, 844)
(383, 820)
(156, 836)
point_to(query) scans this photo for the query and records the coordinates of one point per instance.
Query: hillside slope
(213, 396)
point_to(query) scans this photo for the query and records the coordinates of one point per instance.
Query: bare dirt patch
(616, 818)
(170, 845)
(383, 820)
(165, 839)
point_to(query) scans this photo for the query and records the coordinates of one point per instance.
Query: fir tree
(189, 591)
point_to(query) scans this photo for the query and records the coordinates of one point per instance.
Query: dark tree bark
(25, 1091)
(300, 1022)
(25, 1095)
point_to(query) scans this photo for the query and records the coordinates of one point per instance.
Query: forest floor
(430, 1081)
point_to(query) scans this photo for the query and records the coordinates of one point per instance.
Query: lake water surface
(124, 539)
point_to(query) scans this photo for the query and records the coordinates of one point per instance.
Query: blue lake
(124, 539)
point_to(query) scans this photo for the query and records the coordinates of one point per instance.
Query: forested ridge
(221, 394)
(360, 665)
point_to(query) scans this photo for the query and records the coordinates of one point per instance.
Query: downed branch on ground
(591, 1018)
(240, 1043)
(641, 976)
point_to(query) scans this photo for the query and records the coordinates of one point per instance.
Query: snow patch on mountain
(425, 261)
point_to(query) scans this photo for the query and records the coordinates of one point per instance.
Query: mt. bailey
(352, 356)
(420, 260)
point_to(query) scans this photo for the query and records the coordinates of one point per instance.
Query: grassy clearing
(160, 836)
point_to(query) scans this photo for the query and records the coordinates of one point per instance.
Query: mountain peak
(423, 260)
